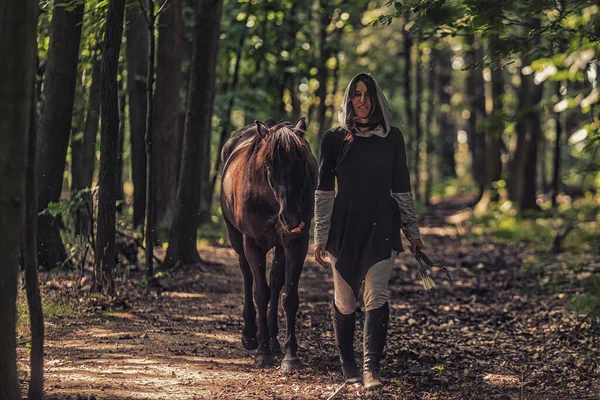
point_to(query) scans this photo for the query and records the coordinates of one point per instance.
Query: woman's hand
(320, 252)
(416, 244)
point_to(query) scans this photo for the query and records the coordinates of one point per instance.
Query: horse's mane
(280, 144)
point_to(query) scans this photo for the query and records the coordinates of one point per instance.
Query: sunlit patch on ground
(502, 380)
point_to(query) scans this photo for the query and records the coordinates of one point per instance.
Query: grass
(52, 308)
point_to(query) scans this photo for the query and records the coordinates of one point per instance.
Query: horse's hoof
(262, 360)
(249, 343)
(275, 347)
(290, 365)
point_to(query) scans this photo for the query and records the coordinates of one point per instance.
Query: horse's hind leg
(294, 261)
(249, 330)
(277, 277)
(256, 258)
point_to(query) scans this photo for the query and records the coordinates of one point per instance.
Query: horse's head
(285, 153)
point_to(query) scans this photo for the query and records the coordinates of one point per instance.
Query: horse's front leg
(295, 253)
(256, 258)
(277, 277)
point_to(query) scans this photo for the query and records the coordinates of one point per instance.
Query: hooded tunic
(366, 221)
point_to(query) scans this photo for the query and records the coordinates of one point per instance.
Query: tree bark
(149, 141)
(429, 124)
(529, 190)
(83, 149)
(475, 93)
(167, 149)
(447, 129)
(493, 163)
(231, 89)
(34, 300)
(18, 28)
(182, 238)
(556, 161)
(105, 237)
(322, 70)
(418, 122)
(137, 65)
(55, 124)
(407, 43)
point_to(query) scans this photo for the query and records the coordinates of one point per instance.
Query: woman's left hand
(416, 244)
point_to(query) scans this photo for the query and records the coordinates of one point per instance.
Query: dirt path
(495, 334)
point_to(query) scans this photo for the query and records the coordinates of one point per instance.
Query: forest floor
(500, 331)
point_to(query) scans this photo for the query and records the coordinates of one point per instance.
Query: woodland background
(114, 113)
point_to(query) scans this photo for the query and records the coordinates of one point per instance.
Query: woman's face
(361, 102)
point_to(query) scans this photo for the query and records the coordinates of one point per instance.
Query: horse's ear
(301, 125)
(262, 129)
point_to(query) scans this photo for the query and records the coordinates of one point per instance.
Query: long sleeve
(402, 193)
(324, 200)
(325, 195)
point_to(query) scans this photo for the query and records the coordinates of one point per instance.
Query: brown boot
(375, 333)
(343, 328)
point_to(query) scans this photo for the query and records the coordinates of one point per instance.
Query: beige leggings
(376, 287)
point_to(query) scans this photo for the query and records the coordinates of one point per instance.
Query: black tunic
(365, 224)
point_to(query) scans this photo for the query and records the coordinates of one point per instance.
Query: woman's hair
(376, 115)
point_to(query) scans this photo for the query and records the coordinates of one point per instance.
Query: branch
(161, 8)
(144, 12)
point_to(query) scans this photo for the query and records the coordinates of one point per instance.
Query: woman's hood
(386, 110)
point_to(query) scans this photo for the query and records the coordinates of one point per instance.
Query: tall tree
(418, 120)
(34, 300)
(429, 123)
(137, 64)
(494, 144)
(201, 93)
(105, 237)
(447, 129)
(83, 147)
(556, 159)
(167, 140)
(475, 93)
(18, 26)
(230, 88)
(55, 123)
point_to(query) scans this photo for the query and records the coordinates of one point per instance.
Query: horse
(267, 198)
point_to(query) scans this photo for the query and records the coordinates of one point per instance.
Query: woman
(360, 227)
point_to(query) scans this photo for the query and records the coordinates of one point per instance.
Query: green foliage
(588, 302)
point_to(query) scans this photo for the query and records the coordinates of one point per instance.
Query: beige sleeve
(410, 225)
(324, 200)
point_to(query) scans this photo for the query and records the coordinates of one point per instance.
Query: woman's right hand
(320, 252)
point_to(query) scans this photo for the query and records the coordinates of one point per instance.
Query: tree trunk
(429, 124)
(137, 65)
(322, 70)
(475, 93)
(119, 174)
(149, 141)
(182, 238)
(528, 197)
(418, 122)
(83, 150)
(34, 300)
(18, 27)
(55, 124)
(447, 129)
(493, 162)
(105, 237)
(556, 162)
(231, 89)
(167, 143)
(408, 43)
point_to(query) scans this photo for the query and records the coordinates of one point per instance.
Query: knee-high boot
(375, 333)
(343, 328)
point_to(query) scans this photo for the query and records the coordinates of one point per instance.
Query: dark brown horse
(267, 198)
